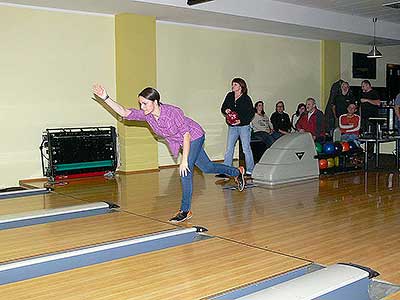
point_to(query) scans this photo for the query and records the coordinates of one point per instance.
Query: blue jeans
(276, 135)
(199, 157)
(244, 132)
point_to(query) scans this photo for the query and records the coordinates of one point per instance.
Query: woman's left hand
(236, 123)
(184, 168)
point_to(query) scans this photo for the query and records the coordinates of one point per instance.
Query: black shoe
(240, 179)
(181, 216)
(222, 176)
(248, 176)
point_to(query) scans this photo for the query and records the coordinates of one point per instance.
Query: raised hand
(100, 91)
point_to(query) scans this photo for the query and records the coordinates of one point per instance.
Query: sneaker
(240, 179)
(222, 176)
(248, 176)
(181, 216)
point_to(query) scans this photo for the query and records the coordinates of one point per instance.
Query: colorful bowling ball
(353, 146)
(232, 117)
(336, 160)
(338, 147)
(331, 162)
(345, 146)
(318, 147)
(329, 148)
(323, 164)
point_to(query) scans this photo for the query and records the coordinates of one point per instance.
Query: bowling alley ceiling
(343, 20)
(362, 8)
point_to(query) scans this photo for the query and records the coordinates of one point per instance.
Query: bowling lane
(28, 241)
(90, 189)
(37, 202)
(395, 296)
(191, 271)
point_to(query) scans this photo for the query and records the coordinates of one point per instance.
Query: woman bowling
(181, 133)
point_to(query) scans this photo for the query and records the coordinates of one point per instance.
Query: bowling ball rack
(78, 152)
(343, 161)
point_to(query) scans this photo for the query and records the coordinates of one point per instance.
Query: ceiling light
(395, 4)
(194, 2)
(374, 53)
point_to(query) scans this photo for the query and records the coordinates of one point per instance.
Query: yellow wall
(330, 68)
(135, 38)
(49, 60)
(195, 66)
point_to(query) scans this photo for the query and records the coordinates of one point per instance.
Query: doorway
(392, 81)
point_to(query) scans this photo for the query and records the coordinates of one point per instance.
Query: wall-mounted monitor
(363, 67)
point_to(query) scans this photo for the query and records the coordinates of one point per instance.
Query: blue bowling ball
(352, 146)
(329, 148)
(338, 147)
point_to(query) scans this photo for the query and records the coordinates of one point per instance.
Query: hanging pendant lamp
(194, 2)
(374, 53)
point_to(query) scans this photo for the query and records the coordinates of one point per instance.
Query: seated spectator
(280, 120)
(262, 127)
(349, 124)
(301, 108)
(312, 121)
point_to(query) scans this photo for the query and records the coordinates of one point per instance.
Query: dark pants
(265, 137)
(370, 128)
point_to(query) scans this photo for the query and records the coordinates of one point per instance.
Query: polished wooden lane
(395, 296)
(191, 271)
(39, 239)
(352, 217)
(37, 202)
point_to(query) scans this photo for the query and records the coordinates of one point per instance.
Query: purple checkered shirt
(171, 125)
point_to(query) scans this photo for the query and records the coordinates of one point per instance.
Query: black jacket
(243, 106)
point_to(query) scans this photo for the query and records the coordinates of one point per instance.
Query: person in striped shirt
(180, 132)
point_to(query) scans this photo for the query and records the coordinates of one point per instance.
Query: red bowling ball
(323, 164)
(232, 117)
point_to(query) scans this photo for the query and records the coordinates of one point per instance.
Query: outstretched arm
(184, 166)
(101, 92)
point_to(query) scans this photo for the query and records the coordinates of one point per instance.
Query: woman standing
(179, 131)
(238, 101)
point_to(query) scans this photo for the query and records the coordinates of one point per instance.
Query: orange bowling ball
(345, 146)
(323, 164)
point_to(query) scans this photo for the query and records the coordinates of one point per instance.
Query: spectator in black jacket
(239, 101)
(281, 120)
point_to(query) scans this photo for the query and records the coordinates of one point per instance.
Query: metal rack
(78, 152)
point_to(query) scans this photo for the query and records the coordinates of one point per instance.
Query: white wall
(391, 55)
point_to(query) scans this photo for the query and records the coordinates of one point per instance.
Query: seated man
(312, 121)
(349, 124)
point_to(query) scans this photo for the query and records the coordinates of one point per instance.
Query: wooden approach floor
(352, 217)
(192, 271)
(37, 202)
